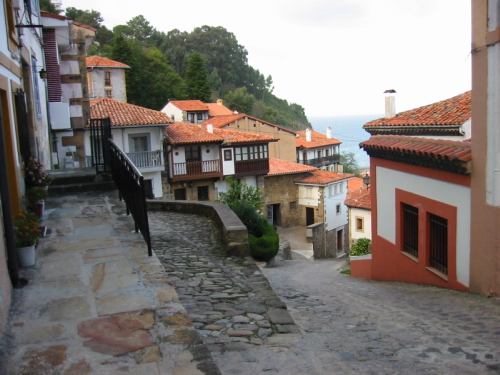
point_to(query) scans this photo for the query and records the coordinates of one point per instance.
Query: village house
(318, 150)
(358, 203)
(199, 157)
(65, 46)
(137, 131)
(106, 78)
(284, 149)
(446, 119)
(194, 111)
(421, 215)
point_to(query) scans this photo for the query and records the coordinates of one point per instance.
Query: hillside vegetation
(166, 66)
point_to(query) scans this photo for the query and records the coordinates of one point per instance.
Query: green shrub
(264, 248)
(249, 217)
(360, 247)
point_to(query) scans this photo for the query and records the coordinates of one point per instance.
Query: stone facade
(282, 190)
(325, 242)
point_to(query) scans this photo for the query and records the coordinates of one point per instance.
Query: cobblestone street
(342, 324)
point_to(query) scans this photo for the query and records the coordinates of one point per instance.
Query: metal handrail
(130, 183)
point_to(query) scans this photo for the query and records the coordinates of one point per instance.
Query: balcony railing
(325, 160)
(252, 167)
(146, 159)
(196, 169)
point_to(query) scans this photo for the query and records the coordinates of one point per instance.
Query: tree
(240, 100)
(197, 86)
(48, 6)
(88, 17)
(349, 163)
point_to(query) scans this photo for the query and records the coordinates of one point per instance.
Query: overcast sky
(333, 57)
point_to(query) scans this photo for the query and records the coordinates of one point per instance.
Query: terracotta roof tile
(102, 62)
(235, 136)
(317, 140)
(436, 148)
(223, 121)
(358, 196)
(215, 109)
(323, 177)
(125, 114)
(278, 166)
(183, 132)
(190, 105)
(84, 26)
(453, 111)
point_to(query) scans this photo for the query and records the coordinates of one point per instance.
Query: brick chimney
(308, 135)
(390, 103)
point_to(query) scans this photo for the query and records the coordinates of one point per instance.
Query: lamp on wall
(366, 180)
(43, 74)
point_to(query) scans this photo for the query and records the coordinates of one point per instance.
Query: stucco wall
(354, 233)
(5, 284)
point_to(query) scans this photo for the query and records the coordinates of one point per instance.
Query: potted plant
(36, 196)
(35, 175)
(27, 235)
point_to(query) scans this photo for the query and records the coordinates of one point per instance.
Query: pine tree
(197, 85)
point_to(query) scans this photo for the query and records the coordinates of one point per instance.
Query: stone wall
(282, 190)
(325, 242)
(233, 233)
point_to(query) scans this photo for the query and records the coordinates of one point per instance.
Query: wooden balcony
(196, 170)
(251, 167)
(319, 162)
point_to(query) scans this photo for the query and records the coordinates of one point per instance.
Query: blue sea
(349, 130)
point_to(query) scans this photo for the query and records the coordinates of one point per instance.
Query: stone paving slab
(96, 303)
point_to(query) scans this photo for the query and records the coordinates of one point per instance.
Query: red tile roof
(235, 136)
(438, 148)
(323, 177)
(317, 140)
(190, 105)
(358, 196)
(222, 121)
(84, 26)
(453, 156)
(278, 166)
(183, 132)
(125, 114)
(102, 62)
(215, 109)
(453, 111)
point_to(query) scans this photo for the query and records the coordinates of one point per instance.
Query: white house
(358, 202)
(318, 150)
(137, 131)
(322, 194)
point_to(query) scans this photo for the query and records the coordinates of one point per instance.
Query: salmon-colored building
(485, 184)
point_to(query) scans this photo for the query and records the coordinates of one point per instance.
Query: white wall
(173, 112)
(454, 195)
(366, 215)
(309, 195)
(332, 219)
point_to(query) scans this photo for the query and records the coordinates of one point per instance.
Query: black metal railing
(100, 132)
(325, 160)
(130, 183)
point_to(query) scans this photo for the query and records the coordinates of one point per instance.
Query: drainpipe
(8, 223)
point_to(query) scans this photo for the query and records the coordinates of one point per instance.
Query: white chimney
(210, 128)
(308, 135)
(390, 103)
(219, 101)
(328, 132)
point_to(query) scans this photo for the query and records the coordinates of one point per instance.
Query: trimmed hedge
(264, 248)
